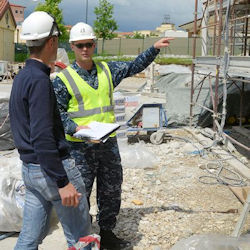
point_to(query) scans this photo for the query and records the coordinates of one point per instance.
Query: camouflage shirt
(119, 70)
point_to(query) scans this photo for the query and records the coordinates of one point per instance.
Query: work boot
(109, 241)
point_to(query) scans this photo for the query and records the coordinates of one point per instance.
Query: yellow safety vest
(88, 104)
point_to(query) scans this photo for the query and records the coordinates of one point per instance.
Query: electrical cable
(218, 177)
(185, 140)
(6, 235)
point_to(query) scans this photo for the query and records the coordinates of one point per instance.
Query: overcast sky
(130, 15)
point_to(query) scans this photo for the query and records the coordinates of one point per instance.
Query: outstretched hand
(162, 43)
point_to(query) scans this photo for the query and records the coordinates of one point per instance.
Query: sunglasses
(82, 45)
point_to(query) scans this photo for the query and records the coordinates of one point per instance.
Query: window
(16, 11)
(21, 12)
(7, 18)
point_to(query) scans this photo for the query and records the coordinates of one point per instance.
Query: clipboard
(97, 131)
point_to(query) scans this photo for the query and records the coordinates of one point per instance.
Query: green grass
(21, 57)
(158, 60)
(175, 60)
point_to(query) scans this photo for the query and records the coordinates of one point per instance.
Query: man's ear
(49, 42)
(52, 40)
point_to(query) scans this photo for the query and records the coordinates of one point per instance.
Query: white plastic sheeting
(6, 140)
(12, 192)
(62, 56)
(136, 155)
(215, 242)
(177, 87)
(173, 68)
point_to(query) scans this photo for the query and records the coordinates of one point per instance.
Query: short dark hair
(37, 50)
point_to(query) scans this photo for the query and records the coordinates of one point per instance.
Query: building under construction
(225, 62)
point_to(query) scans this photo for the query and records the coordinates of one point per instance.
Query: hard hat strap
(54, 27)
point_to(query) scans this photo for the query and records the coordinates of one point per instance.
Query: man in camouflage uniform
(84, 93)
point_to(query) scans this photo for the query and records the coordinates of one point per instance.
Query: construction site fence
(125, 46)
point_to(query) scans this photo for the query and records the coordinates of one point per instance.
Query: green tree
(138, 35)
(153, 34)
(51, 6)
(105, 24)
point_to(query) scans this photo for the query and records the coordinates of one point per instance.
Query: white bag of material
(136, 155)
(62, 56)
(12, 192)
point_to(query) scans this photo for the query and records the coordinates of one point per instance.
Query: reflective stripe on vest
(107, 74)
(88, 104)
(81, 111)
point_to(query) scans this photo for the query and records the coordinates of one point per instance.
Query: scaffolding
(225, 57)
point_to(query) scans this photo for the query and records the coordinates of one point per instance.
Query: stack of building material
(119, 108)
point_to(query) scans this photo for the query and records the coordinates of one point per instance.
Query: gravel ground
(163, 200)
(166, 202)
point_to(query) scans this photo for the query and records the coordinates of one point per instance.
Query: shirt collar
(43, 67)
(82, 71)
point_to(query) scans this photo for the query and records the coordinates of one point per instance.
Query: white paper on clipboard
(98, 131)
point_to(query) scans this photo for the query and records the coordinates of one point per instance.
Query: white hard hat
(37, 26)
(81, 31)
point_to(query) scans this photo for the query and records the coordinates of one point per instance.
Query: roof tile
(4, 6)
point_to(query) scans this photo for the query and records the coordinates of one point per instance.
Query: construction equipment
(3, 69)
(8, 71)
(148, 122)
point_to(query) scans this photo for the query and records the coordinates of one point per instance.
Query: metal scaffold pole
(215, 26)
(193, 65)
(226, 28)
(226, 63)
(217, 74)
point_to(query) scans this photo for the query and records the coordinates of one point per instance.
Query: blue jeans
(41, 194)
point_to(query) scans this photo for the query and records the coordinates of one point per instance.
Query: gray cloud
(130, 15)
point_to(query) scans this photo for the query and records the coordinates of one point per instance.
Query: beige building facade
(159, 31)
(18, 13)
(164, 27)
(145, 33)
(7, 29)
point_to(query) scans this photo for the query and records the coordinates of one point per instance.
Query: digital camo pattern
(101, 160)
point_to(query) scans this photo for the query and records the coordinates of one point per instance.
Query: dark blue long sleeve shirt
(35, 121)
(119, 70)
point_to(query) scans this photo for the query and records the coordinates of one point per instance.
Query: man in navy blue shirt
(85, 93)
(50, 176)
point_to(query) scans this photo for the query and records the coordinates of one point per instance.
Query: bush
(21, 57)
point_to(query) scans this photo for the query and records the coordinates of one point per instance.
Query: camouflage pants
(101, 161)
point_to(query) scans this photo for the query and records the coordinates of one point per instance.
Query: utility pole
(86, 11)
